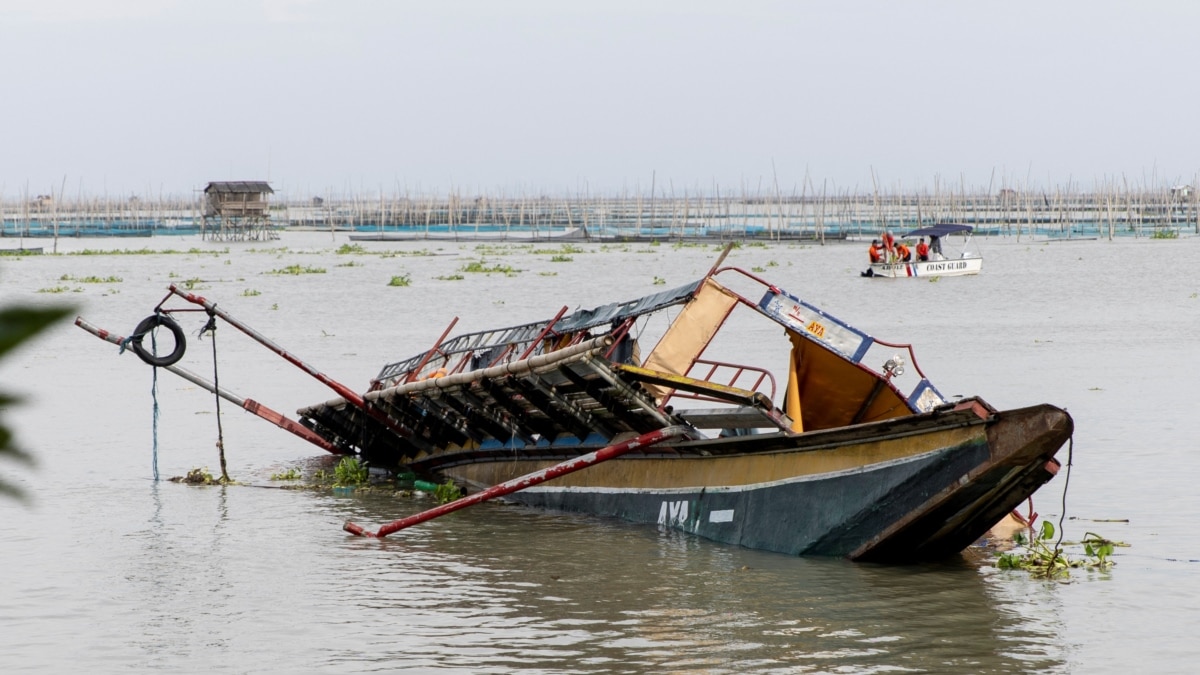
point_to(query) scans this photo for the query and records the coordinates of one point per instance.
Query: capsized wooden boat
(852, 452)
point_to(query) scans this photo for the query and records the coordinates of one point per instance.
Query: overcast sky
(335, 97)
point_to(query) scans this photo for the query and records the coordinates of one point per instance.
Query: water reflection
(504, 587)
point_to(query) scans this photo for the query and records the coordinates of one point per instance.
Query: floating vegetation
(61, 289)
(298, 270)
(1165, 234)
(1041, 560)
(547, 274)
(291, 474)
(197, 477)
(502, 249)
(349, 471)
(91, 279)
(561, 258)
(350, 263)
(758, 269)
(250, 293)
(565, 249)
(450, 277)
(447, 492)
(481, 267)
(401, 280)
(417, 253)
(351, 249)
(659, 281)
(191, 284)
(149, 251)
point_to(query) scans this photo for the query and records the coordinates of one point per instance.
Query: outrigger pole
(528, 480)
(349, 395)
(211, 307)
(247, 404)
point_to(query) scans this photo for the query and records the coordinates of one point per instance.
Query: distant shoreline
(1160, 213)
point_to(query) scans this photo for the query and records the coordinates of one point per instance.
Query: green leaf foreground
(18, 325)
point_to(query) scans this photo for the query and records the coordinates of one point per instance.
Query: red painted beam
(528, 480)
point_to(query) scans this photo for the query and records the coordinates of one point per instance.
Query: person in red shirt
(922, 250)
(875, 251)
(903, 254)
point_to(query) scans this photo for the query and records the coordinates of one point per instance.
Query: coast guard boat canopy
(939, 230)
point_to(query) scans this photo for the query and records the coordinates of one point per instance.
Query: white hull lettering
(943, 266)
(673, 513)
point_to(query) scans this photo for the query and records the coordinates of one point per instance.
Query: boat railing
(912, 358)
(482, 349)
(816, 324)
(751, 378)
(469, 350)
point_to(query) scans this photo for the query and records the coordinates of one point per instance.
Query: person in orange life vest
(875, 251)
(922, 250)
(888, 241)
(902, 252)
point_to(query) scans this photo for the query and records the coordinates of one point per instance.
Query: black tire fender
(150, 323)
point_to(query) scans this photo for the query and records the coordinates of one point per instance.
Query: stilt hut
(237, 211)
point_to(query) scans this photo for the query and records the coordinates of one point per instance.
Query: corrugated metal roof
(239, 187)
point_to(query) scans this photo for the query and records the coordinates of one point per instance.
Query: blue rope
(154, 397)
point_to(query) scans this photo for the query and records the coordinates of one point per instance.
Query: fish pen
(251, 210)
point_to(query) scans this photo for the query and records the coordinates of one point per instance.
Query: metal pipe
(211, 307)
(511, 368)
(528, 480)
(342, 390)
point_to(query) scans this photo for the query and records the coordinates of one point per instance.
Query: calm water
(106, 570)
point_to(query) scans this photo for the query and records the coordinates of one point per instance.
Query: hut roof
(239, 187)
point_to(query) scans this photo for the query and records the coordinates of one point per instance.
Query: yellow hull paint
(686, 471)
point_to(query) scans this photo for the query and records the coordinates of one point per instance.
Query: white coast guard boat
(957, 264)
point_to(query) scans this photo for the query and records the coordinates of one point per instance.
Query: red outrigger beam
(528, 480)
(250, 405)
(211, 307)
(347, 394)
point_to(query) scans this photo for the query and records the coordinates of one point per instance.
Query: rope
(211, 327)
(153, 397)
(1066, 484)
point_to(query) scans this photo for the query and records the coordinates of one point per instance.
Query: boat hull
(921, 489)
(927, 268)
